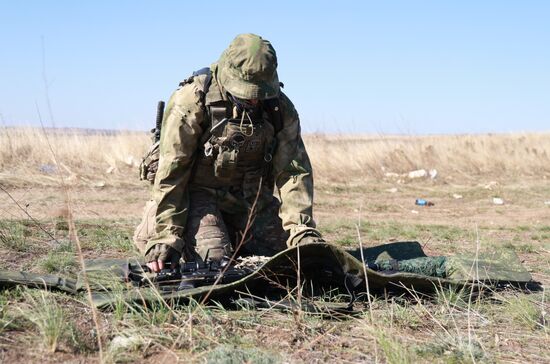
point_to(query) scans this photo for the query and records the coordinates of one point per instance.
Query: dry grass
(457, 156)
(84, 157)
(96, 158)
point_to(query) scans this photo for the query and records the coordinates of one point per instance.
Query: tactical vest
(237, 148)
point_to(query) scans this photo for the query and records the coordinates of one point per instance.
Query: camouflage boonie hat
(247, 69)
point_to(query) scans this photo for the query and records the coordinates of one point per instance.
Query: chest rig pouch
(238, 150)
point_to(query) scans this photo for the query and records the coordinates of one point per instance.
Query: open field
(362, 191)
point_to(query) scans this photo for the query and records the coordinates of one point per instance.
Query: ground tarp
(317, 268)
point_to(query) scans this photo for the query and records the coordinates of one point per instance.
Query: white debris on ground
(391, 190)
(498, 201)
(419, 173)
(456, 196)
(414, 212)
(547, 203)
(125, 343)
(47, 168)
(391, 175)
(252, 262)
(110, 170)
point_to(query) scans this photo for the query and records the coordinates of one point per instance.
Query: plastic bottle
(422, 202)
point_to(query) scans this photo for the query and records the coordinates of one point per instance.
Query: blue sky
(409, 67)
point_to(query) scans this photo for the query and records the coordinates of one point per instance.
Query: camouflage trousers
(214, 230)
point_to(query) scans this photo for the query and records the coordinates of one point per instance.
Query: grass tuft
(394, 351)
(454, 349)
(48, 317)
(60, 260)
(229, 354)
(524, 311)
(402, 315)
(451, 297)
(13, 236)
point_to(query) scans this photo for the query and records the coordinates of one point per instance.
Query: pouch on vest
(150, 163)
(225, 165)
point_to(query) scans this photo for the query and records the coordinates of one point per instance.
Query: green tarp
(319, 268)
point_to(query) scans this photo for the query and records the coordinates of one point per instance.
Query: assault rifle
(158, 122)
(187, 275)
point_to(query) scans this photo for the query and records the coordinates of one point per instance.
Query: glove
(160, 254)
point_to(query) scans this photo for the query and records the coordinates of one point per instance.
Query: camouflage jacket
(184, 124)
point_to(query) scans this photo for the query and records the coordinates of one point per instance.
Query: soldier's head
(247, 69)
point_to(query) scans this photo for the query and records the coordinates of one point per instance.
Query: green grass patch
(451, 296)
(517, 246)
(401, 314)
(524, 311)
(103, 236)
(527, 248)
(453, 349)
(346, 232)
(231, 354)
(5, 320)
(347, 240)
(14, 236)
(394, 351)
(59, 260)
(156, 314)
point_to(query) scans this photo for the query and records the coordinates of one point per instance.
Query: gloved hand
(160, 254)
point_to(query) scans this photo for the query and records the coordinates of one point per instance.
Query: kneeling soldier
(230, 138)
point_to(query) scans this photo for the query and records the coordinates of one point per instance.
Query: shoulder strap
(203, 88)
(207, 81)
(273, 109)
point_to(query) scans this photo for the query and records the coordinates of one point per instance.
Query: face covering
(243, 105)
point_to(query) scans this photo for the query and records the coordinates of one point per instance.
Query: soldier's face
(247, 104)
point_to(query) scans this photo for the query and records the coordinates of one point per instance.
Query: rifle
(149, 164)
(186, 276)
(158, 122)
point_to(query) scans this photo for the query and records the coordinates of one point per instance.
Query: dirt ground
(526, 202)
